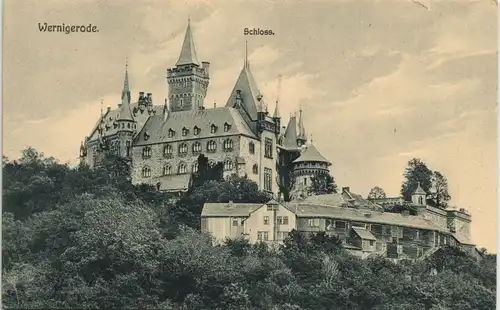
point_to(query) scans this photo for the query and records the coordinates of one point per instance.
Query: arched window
(227, 127)
(146, 172)
(197, 147)
(228, 145)
(182, 168)
(228, 165)
(421, 200)
(255, 169)
(185, 131)
(167, 170)
(167, 150)
(195, 167)
(183, 148)
(251, 147)
(146, 152)
(211, 146)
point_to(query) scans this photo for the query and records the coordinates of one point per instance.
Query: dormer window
(196, 130)
(227, 127)
(213, 128)
(185, 131)
(146, 135)
(171, 133)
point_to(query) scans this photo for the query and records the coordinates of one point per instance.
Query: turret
(419, 196)
(302, 136)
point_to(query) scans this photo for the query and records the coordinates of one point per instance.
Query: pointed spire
(276, 113)
(188, 51)
(302, 129)
(166, 110)
(126, 86)
(246, 65)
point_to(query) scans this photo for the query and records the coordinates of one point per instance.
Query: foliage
(376, 193)
(322, 184)
(416, 172)
(439, 192)
(87, 238)
(284, 169)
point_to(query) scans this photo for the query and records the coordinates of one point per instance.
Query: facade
(362, 225)
(165, 141)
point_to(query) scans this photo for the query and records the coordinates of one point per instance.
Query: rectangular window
(269, 208)
(279, 220)
(235, 222)
(285, 220)
(313, 222)
(372, 242)
(127, 144)
(268, 151)
(266, 236)
(340, 224)
(284, 235)
(259, 235)
(268, 179)
(266, 220)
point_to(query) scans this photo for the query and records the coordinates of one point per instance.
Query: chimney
(346, 189)
(206, 67)
(108, 109)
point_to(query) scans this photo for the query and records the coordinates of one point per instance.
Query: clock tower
(188, 81)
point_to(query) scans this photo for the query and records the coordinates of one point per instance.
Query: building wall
(222, 227)
(255, 223)
(268, 162)
(157, 160)
(460, 222)
(251, 159)
(437, 216)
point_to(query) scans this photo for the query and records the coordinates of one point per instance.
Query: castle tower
(419, 196)
(126, 125)
(309, 164)
(188, 81)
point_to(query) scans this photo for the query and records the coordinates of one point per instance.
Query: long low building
(362, 225)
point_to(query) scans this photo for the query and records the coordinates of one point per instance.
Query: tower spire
(246, 63)
(188, 51)
(276, 113)
(302, 129)
(126, 86)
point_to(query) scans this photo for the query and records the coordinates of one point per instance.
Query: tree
(322, 184)
(416, 172)
(439, 191)
(376, 193)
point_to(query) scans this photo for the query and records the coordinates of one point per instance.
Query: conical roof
(125, 110)
(311, 154)
(188, 51)
(420, 190)
(290, 137)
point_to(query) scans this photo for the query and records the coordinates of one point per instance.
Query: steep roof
(311, 154)
(419, 190)
(227, 209)
(188, 51)
(290, 137)
(249, 93)
(158, 129)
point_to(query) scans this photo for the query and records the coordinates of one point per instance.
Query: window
(269, 208)
(211, 146)
(305, 181)
(227, 127)
(197, 147)
(282, 235)
(313, 222)
(228, 165)
(235, 222)
(185, 131)
(196, 130)
(266, 236)
(167, 150)
(372, 242)
(262, 235)
(285, 220)
(195, 167)
(183, 148)
(146, 152)
(251, 147)
(146, 172)
(420, 200)
(171, 133)
(279, 220)
(182, 168)
(127, 145)
(228, 145)
(268, 179)
(255, 169)
(213, 129)
(167, 170)
(182, 103)
(268, 151)
(266, 220)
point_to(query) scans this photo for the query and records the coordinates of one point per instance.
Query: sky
(380, 82)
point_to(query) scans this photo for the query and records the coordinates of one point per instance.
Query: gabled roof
(290, 137)
(249, 93)
(311, 154)
(188, 51)
(229, 209)
(364, 234)
(158, 128)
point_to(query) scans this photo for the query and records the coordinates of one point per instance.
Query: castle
(165, 141)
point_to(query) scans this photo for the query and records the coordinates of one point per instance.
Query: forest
(75, 237)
